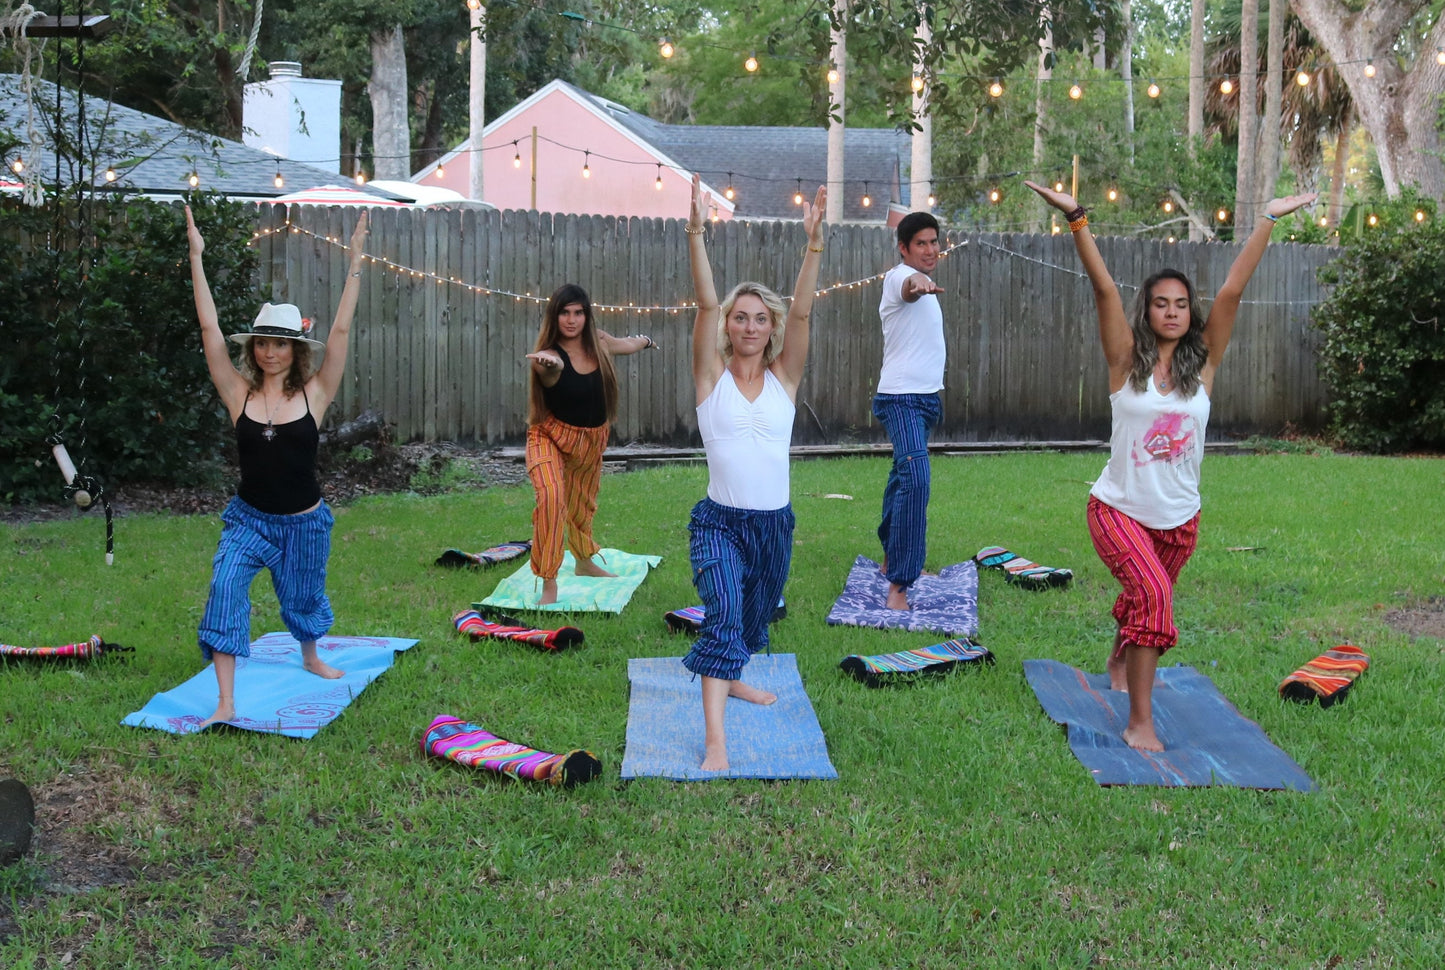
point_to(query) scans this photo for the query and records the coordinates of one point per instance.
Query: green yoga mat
(576, 594)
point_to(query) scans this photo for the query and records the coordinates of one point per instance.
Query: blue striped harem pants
(903, 531)
(740, 560)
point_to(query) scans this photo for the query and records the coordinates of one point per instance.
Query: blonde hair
(776, 310)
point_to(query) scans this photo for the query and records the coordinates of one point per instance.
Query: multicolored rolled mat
(477, 627)
(881, 669)
(505, 552)
(85, 649)
(1328, 677)
(475, 747)
(1021, 571)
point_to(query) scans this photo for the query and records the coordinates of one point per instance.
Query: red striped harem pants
(565, 465)
(1146, 562)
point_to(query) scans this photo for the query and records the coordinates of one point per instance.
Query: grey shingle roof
(153, 156)
(766, 162)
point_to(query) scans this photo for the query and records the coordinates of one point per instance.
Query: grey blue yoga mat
(1206, 740)
(664, 724)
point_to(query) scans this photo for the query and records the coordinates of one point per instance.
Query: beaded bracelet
(1271, 218)
(1075, 216)
(693, 232)
(1076, 224)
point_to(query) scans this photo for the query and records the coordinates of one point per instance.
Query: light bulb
(360, 178)
(995, 90)
(832, 75)
(18, 166)
(194, 180)
(1374, 220)
(279, 180)
(1440, 56)
(1168, 206)
(751, 64)
(917, 83)
(730, 193)
(111, 175)
(441, 171)
(1113, 195)
(1075, 92)
(1324, 221)
(517, 160)
(1153, 90)
(1369, 69)
(932, 200)
(994, 195)
(1222, 215)
(666, 49)
(1302, 79)
(1058, 186)
(1419, 215)
(797, 198)
(1226, 86)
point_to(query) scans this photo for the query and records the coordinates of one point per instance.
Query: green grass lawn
(961, 832)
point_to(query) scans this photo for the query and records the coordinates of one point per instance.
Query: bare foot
(225, 711)
(549, 592)
(753, 695)
(1117, 680)
(321, 668)
(590, 568)
(1143, 739)
(897, 597)
(715, 759)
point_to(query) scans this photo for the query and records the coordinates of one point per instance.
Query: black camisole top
(278, 463)
(576, 399)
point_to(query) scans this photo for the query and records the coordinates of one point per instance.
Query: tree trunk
(1196, 88)
(390, 130)
(1266, 170)
(1337, 172)
(1246, 98)
(1046, 49)
(1126, 72)
(1398, 109)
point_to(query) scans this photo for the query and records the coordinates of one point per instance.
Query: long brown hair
(1190, 354)
(295, 377)
(547, 338)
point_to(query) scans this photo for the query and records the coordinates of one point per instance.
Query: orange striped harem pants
(565, 465)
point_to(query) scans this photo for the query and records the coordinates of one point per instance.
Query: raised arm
(328, 379)
(1114, 334)
(1220, 326)
(789, 365)
(230, 384)
(707, 363)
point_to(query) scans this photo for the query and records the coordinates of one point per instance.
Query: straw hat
(279, 320)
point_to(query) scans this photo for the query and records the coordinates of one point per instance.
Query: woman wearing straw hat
(276, 398)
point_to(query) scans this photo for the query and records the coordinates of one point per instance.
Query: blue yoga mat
(274, 693)
(946, 603)
(665, 733)
(1206, 740)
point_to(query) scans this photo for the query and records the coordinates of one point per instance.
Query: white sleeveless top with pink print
(1155, 451)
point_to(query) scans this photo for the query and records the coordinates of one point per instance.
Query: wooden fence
(453, 305)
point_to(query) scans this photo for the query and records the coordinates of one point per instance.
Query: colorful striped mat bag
(84, 650)
(689, 618)
(891, 668)
(475, 747)
(506, 552)
(1328, 677)
(1020, 571)
(478, 627)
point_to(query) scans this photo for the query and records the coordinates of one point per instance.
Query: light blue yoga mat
(1206, 740)
(274, 693)
(665, 733)
(523, 591)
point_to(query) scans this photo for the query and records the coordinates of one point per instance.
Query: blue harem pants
(903, 531)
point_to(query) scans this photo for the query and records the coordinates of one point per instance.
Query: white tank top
(1155, 450)
(747, 443)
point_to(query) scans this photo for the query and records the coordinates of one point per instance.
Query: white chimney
(295, 117)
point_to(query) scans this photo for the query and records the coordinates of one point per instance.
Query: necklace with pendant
(269, 432)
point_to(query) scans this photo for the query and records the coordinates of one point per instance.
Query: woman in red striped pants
(573, 402)
(1144, 509)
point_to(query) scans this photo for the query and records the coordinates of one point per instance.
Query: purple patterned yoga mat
(946, 603)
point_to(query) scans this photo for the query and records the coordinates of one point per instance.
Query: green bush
(1384, 344)
(102, 343)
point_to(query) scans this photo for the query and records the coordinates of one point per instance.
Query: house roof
(767, 163)
(151, 155)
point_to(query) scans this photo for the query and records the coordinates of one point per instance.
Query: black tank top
(576, 399)
(278, 463)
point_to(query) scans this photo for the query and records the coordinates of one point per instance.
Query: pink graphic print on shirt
(1169, 439)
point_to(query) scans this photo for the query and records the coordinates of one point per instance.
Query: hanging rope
(14, 26)
(245, 68)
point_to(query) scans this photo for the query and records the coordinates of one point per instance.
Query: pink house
(560, 150)
(594, 156)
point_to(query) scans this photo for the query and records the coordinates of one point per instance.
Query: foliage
(102, 342)
(1384, 348)
(960, 832)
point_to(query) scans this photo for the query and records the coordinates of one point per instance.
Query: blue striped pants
(908, 418)
(740, 560)
(295, 548)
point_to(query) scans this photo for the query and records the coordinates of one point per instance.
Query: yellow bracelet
(815, 249)
(1078, 223)
(693, 232)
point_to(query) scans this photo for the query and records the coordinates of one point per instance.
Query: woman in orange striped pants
(573, 402)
